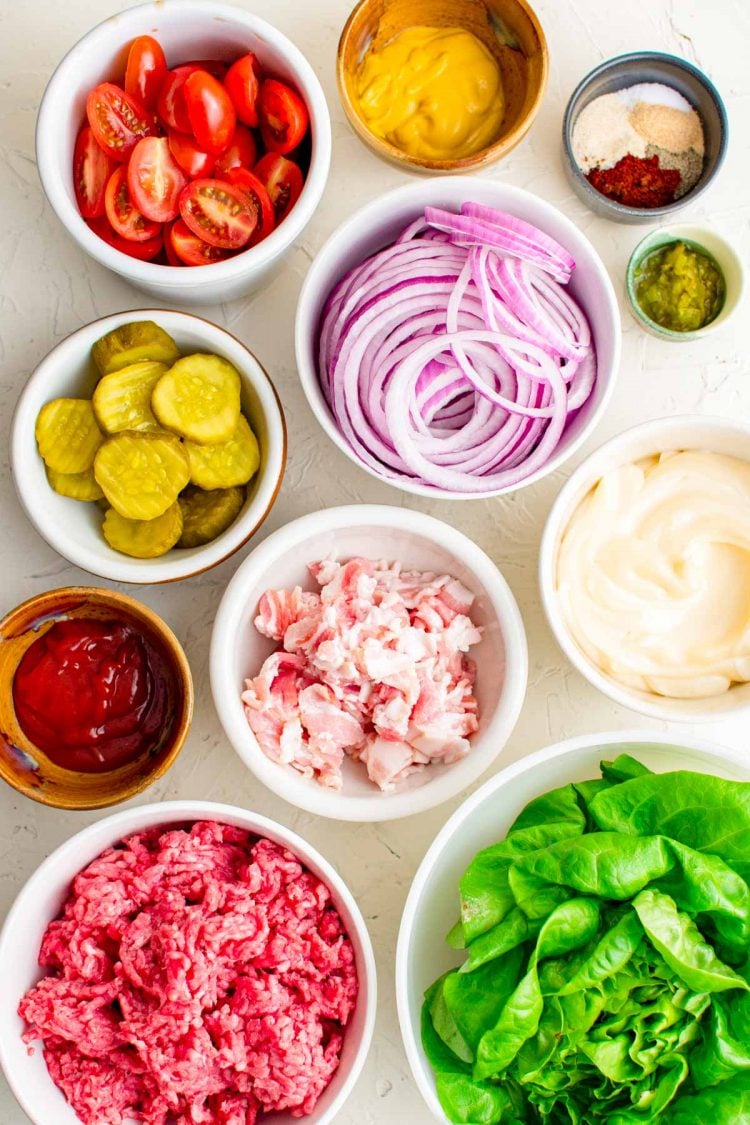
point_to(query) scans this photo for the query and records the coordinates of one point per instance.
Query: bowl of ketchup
(96, 697)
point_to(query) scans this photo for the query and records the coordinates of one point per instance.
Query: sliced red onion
(455, 357)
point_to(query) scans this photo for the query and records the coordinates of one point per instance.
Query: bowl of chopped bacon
(182, 962)
(368, 662)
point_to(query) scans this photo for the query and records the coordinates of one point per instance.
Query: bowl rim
(617, 210)
(194, 810)
(254, 259)
(691, 233)
(334, 248)
(307, 794)
(527, 764)
(161, 570)
(97, 595)
(652, 706)
(486, 156)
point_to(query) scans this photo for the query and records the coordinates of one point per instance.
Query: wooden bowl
(508, 28)
(27, 768)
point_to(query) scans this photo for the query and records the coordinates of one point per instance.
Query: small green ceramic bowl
(710, 243)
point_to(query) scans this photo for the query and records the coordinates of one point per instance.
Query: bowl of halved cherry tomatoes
(184, 146)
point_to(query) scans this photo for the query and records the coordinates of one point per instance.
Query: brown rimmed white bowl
(22, 764)
(508, 28)
(73, 528)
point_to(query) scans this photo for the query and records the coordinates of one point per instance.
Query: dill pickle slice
(132, 343)
(67, 435)
(231, 463)
(142, 473)
(122, 400)
(143, 539)
(199, 399)
(76, 486)
(206, 514)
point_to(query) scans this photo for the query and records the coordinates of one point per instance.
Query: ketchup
(93, 695)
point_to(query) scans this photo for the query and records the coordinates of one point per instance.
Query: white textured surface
(48, 288)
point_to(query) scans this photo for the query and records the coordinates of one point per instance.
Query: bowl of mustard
(442, 85)
(683, 281)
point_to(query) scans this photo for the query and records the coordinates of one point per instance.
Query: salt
(653, 93)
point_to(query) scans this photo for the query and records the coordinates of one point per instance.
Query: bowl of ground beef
(185, 963)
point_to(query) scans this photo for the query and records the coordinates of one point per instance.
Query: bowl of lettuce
(575, 946)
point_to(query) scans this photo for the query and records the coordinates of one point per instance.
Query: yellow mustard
(434, 92)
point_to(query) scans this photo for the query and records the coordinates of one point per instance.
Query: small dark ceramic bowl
(628, 70)
(23, 764)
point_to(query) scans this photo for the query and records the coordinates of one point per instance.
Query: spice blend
(642, 146)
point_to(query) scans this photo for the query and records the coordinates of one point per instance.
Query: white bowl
(682, 432)
(186, 29)
(432, 904)
(418, 541)
(41, 899)
(378, 223)
(720, 249)
(74, 528)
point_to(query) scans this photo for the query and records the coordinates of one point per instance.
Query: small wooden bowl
(29, 770)
(508, 28)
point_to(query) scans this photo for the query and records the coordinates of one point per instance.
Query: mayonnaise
(434, 92)
(653, 574)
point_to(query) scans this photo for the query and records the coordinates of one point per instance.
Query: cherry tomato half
(146, 70)
(283, 181)
(171, 105)
(92, 168)
(242, 83)
(188, 249)
(261, 201)
(195, 163)
(219, 213)
(125, 219)
(155, 179)
(241, 153)
(144, 251)
(211, 113)
(283, 116)
(117, 120)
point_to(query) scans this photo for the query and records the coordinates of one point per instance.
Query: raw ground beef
(372, 666)
(197, 976)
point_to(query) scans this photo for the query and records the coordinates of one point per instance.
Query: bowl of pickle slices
(148, 447)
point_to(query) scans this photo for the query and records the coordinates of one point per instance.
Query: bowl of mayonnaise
(645, 568)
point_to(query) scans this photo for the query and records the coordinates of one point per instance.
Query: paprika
(637, 181)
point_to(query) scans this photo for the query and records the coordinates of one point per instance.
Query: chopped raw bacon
(372, 666)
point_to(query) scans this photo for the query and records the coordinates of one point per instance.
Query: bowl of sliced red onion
(368, 662)
(458, 338)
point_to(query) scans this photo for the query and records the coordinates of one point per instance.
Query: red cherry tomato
(144, 251)
(169, 250)
(194, 162)
(242, 83)
(171, 105)
(213, 66)
(211, 113)
(241, 153)
(125, 219)
(92, 168)
(188, 249)
(155, 180)
(219, 213)
(117, 120)
(283, 116)
(146, 70)
(283, 181)
(261, 201)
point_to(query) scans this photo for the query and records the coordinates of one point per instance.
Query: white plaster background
(48, 288)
